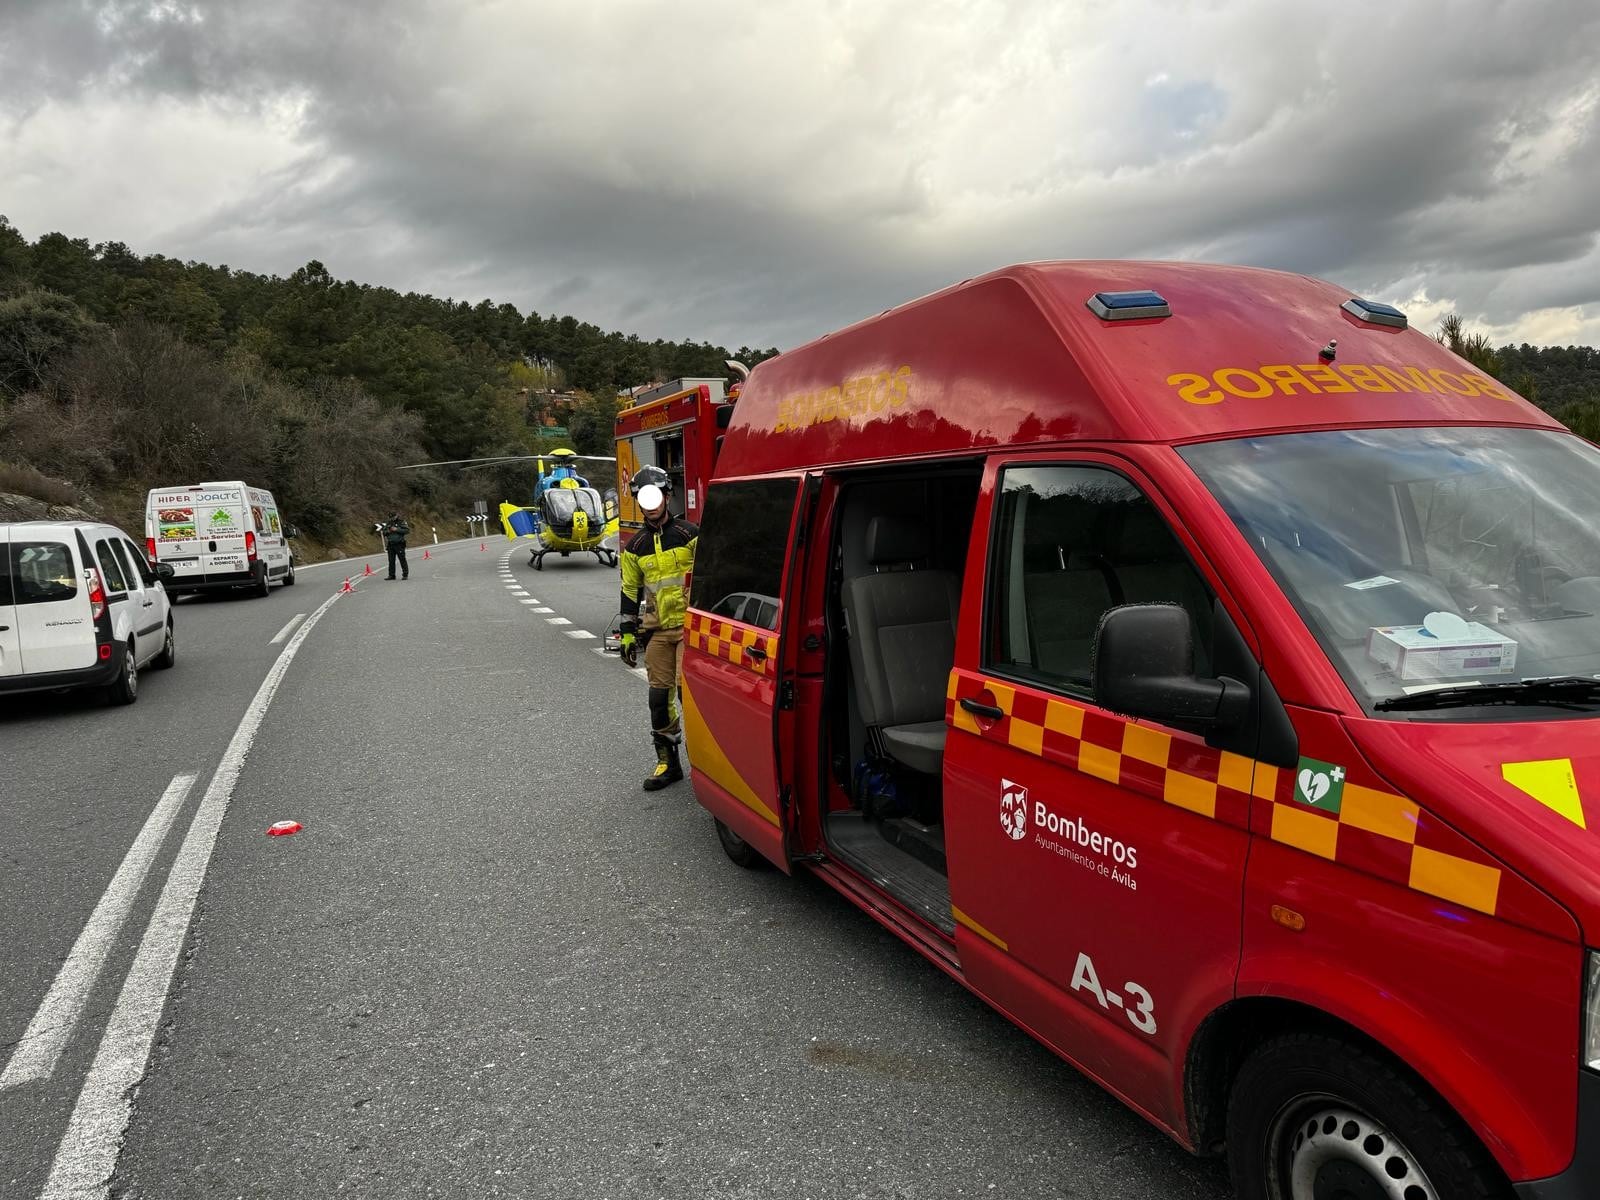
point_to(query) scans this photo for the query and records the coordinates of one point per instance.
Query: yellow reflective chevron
(1549, 781)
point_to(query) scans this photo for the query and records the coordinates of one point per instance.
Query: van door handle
(147, 603)
(978, 708)
(4, 628)
(755, 652)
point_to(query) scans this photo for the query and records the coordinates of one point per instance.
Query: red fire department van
(1204, 668)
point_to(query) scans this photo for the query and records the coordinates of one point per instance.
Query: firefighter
(655, 562)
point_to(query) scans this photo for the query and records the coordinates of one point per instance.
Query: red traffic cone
(368, 571)
(346, 588)
(283, 828)
(481, 547)
(425, 553)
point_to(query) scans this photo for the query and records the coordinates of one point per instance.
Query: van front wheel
(125, 688)
(169, 650)
(736, 848)
(1312, 1116)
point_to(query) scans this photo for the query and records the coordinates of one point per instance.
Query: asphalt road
(488, 965)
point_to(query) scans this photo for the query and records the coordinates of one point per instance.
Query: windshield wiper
(1562, 691)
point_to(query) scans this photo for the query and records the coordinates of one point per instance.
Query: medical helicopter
(568, 516)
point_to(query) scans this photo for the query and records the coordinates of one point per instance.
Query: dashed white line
(518, 592)
(288, 629)
(58, 1013)
(617, 658)
(579, 633)
(87, 1155)
(544, 610)
(556, 620)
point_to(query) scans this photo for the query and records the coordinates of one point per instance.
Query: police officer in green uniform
(395, 532)
(655, 563)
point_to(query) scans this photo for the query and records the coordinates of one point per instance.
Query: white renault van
(218, 535)
(79, 608)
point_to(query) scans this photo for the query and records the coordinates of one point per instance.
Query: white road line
(604, 653)
(87, 1155)
(556, 620)
(288, 629)
(518, 592)
(544, 610)
(528, 602)
(58, 1013)
(579, 633)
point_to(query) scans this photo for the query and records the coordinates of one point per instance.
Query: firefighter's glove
(630, 650)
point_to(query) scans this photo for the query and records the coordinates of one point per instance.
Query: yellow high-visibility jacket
(654, 565)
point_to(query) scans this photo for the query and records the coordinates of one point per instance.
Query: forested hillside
(120, 371)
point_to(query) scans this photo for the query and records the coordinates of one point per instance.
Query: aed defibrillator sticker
(1319, 784)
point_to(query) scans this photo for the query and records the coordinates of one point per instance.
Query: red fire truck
(673, 426)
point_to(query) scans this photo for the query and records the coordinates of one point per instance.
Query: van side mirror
(289, 531)
(165, 571)
(1144, 667)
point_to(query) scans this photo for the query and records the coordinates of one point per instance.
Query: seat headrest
(896, 540)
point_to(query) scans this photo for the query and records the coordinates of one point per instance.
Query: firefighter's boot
(667, 769)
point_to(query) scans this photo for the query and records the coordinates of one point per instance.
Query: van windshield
(1430, 560)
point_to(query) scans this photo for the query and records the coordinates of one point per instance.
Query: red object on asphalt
(425, 554)
(368, 571)
(346, 587)
(482, 547)
(283, 829)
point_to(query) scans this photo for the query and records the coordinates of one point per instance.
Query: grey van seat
(902, 631)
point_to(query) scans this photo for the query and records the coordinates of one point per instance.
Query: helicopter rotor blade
(456, 462)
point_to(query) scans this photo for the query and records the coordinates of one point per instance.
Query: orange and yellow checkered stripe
(1375, 831)
(729, 641)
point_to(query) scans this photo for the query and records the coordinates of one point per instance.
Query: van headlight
(1591, 1014)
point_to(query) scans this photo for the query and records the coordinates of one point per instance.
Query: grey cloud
(761, 176)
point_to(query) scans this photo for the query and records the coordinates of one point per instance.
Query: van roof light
(1128, 306)
(1374, 312)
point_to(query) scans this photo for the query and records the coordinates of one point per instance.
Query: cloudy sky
(761, 171)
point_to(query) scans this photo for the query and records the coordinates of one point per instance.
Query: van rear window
(744, 539)
(43, 572)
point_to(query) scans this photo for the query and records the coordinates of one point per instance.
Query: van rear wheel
(1312, 1116)
(125, 688)
(736, 848)
(263, 584)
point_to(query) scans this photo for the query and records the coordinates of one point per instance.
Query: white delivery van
(79, 608)
(218, 535)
